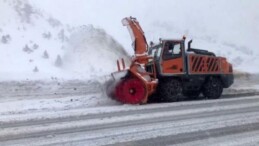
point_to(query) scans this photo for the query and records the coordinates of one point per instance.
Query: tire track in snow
(241, 110)
(200, 136)
(131, 111)
(138, 132)
(65, 127)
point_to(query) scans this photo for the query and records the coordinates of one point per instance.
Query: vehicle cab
(169, 57)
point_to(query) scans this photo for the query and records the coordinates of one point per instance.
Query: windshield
(155, 51)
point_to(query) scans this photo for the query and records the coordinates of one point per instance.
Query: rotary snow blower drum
(131, 86)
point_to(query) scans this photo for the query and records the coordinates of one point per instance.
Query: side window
(172, 50)
(155, 51)
(158, 52)
(177, 49)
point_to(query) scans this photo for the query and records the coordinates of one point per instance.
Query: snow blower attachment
(134, 84)
(179, 72)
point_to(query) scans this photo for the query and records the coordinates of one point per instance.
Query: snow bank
(36, 46)
(92, 53)
(29, 96)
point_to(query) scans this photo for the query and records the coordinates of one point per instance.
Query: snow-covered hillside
(229, 28)
(67, 39)
(35, 46)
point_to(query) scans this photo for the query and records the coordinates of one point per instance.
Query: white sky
(163, 18)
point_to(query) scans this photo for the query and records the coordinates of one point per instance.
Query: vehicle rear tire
(192, 94)
(154, 98)
(213, 88)
(169, 90)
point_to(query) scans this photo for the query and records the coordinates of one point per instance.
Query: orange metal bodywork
(140, 58)
(137, 35)
(149, 83)
(197, 64)
(202, 64)
(173, 66)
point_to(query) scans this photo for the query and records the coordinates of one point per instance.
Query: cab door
(172, 59)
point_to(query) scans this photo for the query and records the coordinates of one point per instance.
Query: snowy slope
(68, 40)
(229, 28)
(36, 46)
(31, 33)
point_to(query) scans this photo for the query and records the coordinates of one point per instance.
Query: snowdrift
(36, 46)
(92, 53)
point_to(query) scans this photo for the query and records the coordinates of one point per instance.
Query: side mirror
(189, 45)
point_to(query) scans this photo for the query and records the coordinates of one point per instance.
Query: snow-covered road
(78, 113)
(226, 121)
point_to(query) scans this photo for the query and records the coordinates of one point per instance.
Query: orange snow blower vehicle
(167, 71)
